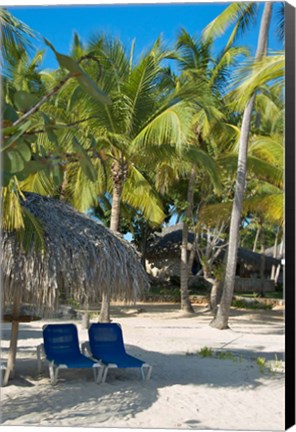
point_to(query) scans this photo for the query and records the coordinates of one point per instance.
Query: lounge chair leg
(53, 373)
(98, 373)
(148, 372)
(104, 376)
(142, 373)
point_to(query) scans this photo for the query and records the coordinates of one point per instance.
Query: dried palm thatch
(81, 260)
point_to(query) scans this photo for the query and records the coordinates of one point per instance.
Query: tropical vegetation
(184, 130)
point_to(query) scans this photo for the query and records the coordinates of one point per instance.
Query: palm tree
(197, 65)
(144, 122)
(221, 319)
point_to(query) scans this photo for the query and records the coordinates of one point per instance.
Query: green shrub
(206, 352)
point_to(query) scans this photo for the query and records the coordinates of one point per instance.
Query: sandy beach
(228, 391)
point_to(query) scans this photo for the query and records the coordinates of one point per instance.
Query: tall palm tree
(144, 121)
(197, 65)
(221, 319)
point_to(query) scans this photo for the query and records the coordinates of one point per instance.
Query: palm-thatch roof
(168, 242)
(81, 259)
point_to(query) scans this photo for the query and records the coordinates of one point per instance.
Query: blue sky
(144, 22)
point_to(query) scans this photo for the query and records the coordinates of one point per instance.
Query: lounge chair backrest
(105, 338)
(61, 339)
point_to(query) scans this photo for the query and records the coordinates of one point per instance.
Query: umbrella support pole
(9, 372)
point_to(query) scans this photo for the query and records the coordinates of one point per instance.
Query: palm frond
(270, 206)
(255, 75)
(169, 126)
(39, 183)
(240, 13)
(138, 193)
(258, 167)
(15, 36)
(268, 148)
(11, 210)
(204, 161)
(80, 191)
(220, 72)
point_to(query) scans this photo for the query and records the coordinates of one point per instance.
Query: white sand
(186, 391)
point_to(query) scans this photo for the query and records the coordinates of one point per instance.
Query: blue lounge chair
(61, 350)
(106, 344)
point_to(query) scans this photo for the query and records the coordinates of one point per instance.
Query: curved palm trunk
(262, 262)
(185, 301)
(221, 319)
(215, 295)
(277, 273)
(119, 172)
(275, 252)
(256, 238)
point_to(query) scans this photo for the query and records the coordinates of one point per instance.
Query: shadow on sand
(125, 394)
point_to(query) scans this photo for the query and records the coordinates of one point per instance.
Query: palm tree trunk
(221, 319)
(115, 210)
(256, 239)
(262, 262)
(215, 295)
(105, 308)
(277, 273)
(185, 301)
(275, 252)
(118, 175)
(144, 245)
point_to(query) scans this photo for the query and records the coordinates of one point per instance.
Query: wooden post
(13, 338)
(85, 320)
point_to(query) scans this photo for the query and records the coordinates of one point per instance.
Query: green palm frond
(193, 54)
(268, 148)
(139, 88)
(206, 117)
(166, 176)
(15, 35)
(114, 62)
(138, 193)
(229, 57)
(80, 191)
(280, 30)
(255, 75)
(39, 183)
(241, 14)
(270, 206)
(215, 214)
(243, 23)
(171, 125)
(258, 167)
(11, 210)
(204, 161)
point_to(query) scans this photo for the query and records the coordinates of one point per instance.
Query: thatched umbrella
(81, 259)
